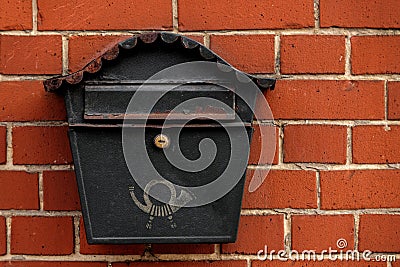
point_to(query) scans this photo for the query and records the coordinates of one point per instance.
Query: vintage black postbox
(126, 123)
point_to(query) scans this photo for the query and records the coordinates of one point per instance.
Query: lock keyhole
(161, 141)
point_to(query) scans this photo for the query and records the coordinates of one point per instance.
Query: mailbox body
(110, 197)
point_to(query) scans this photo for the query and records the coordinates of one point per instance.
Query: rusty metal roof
(95, 65)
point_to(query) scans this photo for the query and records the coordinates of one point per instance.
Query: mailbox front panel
(113, 216)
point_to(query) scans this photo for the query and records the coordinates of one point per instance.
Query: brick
(16, 15)
(41, 145)
(360, 189)
(243, 15)
(83, 49)
(376, 144)
(312, 54)
(197, 38)
(85, 248)
(315, 143)
(394, 100)
(3, 238)
(52, 263)
(3, 144)
(225, 263)
(183, 248)
(19, 190)
(103, 15)
(375, 54)
(42, 235)
(255, 232)
(319, 263)
(27, 101)
(30, 54)
(379, 233)
(315, 232)
(317, 99)
(60, 191)
(359, 14)
(249, 53)
(262, 109)
(270, 148)
(281, 189)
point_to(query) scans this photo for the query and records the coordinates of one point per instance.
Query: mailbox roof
(95, 65)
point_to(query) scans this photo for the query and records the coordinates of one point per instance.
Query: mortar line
(310, 166)
(71, 258)
(65, 53)
(75, 33)
(40, 184)
(285, 211)
(193, 34)
(329, 77)
(349, 146)
(10, 152)
(316, 14)
(349, 123)
(277, 54)
(34, 17)
(229, 257)
(287, 233)
(333, 77)
(185, 257)
(42, 123)
(304, 31)
(356, 230)
(318, 185)
(234, 256)
(8, 77)
(280, 145)
(386, 97)
(347, 56)
(77, 239)
(123, 258)
(248, 262)
(36, 168)
(137, 258)
(207, 40)
(8, 235)
(175, 20)
(218, 249)
(277, 122)
(39, 213)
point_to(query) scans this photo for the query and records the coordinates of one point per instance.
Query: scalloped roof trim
(53, 84)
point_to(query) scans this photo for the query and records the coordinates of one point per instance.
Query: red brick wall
(336, 107)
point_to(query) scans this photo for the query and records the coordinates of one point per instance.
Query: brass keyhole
(161, 141)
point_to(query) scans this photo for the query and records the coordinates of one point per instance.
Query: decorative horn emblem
(160, 210)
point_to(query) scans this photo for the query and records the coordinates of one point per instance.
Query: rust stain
(149, 38)
(112, 53)
(94, 66)
(75, 77)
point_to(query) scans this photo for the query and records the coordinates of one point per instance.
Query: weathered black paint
(96, 99)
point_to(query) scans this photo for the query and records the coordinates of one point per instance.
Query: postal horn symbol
(160, 210)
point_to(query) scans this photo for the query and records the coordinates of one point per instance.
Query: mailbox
(126, 122)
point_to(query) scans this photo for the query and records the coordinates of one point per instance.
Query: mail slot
(125, 122)
(117, 98)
